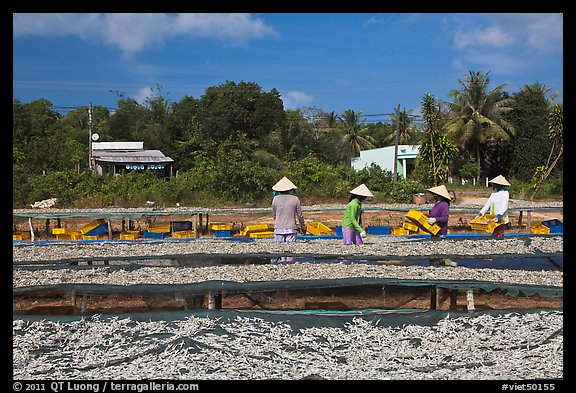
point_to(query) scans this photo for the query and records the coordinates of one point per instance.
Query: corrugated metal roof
(143, 156)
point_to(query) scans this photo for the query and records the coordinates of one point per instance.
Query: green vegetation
(234, 142)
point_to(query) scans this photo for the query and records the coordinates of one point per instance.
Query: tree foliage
(235, 141)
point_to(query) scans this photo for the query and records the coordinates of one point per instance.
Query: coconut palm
(477, 114)
(402, 122)
(355, 132)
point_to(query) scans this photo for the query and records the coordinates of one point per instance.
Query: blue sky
(367, 62)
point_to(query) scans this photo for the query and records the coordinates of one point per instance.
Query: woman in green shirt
(352, 232)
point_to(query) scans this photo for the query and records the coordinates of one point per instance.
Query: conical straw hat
(362, 190)
(284, 185)
(500, 180)
(442, 191)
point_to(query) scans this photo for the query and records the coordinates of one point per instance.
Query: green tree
(477, 115)
(437, 150)
(556, 134)
(355, 131)
(529, 146)
(232, 109)
(402, 123)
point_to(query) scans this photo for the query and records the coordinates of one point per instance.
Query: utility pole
(90, 136)
(395, 173)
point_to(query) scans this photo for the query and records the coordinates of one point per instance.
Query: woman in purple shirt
(441, 209)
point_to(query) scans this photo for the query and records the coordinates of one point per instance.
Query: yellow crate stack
(66, 234)
(484, 223)
(421, 220)
(183, 234)
(130, 235)
(159, 227)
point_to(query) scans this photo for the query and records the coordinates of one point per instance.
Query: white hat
(442, 191)
(362, 190)
(500, 180)
(284, 185)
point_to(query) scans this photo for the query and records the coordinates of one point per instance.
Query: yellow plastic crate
(410, 226)
(159, 227)
(183, 234)
(253, 228)
(261, 235)
(20, 235)
(222, 227)
(64, 231)
(130, 235)
(95, 237)
(421, 220)
(400, 231)
(94, 224)
(318, 229)
(69, 236)
(539, 229)
(484, 223)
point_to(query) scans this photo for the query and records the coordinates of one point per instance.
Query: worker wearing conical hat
(286, 210)
(498, 204)
(441, 209)
(352, 231)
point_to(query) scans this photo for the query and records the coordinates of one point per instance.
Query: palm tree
(403, 122)
(477, 114)
(430, 112)
(355, 132)
(544, 90)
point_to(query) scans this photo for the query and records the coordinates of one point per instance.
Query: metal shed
(120, 157)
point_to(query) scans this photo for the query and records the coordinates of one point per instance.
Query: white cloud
(143, 94)
(506, 44)
(132, 33)
(493, 36)
(296, 99)
(537, 33)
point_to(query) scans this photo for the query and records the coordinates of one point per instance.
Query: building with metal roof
(121, 157)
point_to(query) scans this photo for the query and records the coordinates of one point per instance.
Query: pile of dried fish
(273, 272)
(374, 245)
(506, 346)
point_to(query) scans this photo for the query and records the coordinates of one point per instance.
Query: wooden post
(84, 306)
(453, 299)
(528, 221)
(211, 301)
(47, 229)
(195, 224)
(470, 300)
(109, 229)
(433, 297)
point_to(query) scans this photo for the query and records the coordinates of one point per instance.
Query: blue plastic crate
(556, 226)
(155, 235)
(223, 233)
(98, 230)
(378, 230)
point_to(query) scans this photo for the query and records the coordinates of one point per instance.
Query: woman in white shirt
(498, 204)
